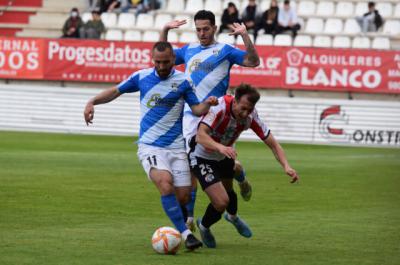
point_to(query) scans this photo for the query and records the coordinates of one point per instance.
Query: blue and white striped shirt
(208, 66)
(161, 105)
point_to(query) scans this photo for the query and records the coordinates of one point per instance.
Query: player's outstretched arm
(281, 157)
(101, 98)
(170, 25)
(202, 108)
(251, 59)
(203, 137)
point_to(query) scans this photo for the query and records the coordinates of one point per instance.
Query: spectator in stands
(109, 5)
(93, 28)
(72, 25)
(287, 19)
(269, 19)
(148, 5)
(230, 16)
(93, 4)
(250, 17)
(370, 21)
(129, 4)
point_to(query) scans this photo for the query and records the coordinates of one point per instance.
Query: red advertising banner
(21, 58)
(340, 70)
(95, 61)
(367, 71)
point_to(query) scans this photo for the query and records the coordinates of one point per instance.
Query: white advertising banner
(298, 120)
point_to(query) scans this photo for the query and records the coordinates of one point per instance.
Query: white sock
(232, 217)
(189, 220)
(185, 234)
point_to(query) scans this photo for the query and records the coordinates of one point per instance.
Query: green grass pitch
(73, 199)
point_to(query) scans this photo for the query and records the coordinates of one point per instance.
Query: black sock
(211, 216)
(233, 205)
(184, 212)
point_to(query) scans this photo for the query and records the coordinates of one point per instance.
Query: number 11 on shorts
(152, 160)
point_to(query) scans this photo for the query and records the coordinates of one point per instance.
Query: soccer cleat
(206, 236)
(192, 242)
(245, 190)
(242, 228)
(190, 225)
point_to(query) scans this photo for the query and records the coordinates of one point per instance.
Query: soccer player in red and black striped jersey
(212, 156)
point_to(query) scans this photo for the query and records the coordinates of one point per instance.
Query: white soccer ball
(166, 240)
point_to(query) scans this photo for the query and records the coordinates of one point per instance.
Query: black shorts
(209, 172)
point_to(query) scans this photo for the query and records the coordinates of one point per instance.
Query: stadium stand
(126, 21)
(302, 41)
(264, 40)
(322, 42)
(324, 23)
(320, 17)
(341, 42)
(133, 35)
(226, 38)
(114, 34)
(283, 40)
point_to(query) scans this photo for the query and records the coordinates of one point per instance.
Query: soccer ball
(166, 240)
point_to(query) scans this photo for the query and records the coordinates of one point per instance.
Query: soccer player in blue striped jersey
(163, 92)
(208, 65)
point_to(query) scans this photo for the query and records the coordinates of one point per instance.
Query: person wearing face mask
(72, 25)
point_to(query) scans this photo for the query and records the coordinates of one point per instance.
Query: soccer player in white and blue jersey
(208, 64)
(163, 92)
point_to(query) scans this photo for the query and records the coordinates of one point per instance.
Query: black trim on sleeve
(204, 124)
(269, 131)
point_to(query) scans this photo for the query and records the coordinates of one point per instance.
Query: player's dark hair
(247, 90)
(162, 46)
(205, 15)
(371, 4)
(286, 2)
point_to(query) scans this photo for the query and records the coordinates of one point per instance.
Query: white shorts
(174, 161)
(189, 127)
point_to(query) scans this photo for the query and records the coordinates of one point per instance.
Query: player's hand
(212, 101)
(227, 151)
(174, 24)
(238, 29)
(293, 174)
(89, 113)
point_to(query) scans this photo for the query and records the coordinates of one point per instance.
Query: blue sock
(241, 176)
(173, 210)
(190, 204)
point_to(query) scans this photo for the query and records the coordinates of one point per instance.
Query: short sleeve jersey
(161, 105)
(208, 67)
(225, 129)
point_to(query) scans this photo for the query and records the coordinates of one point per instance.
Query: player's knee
(164, 186)
(238, 167)
(221, 203)
(183, 198)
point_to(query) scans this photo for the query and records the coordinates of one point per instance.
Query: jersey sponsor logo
(209, 178)
(174, 87)
(156, 100)
(216, 52)
(198, 65)
(229, 134)
(193, 65)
